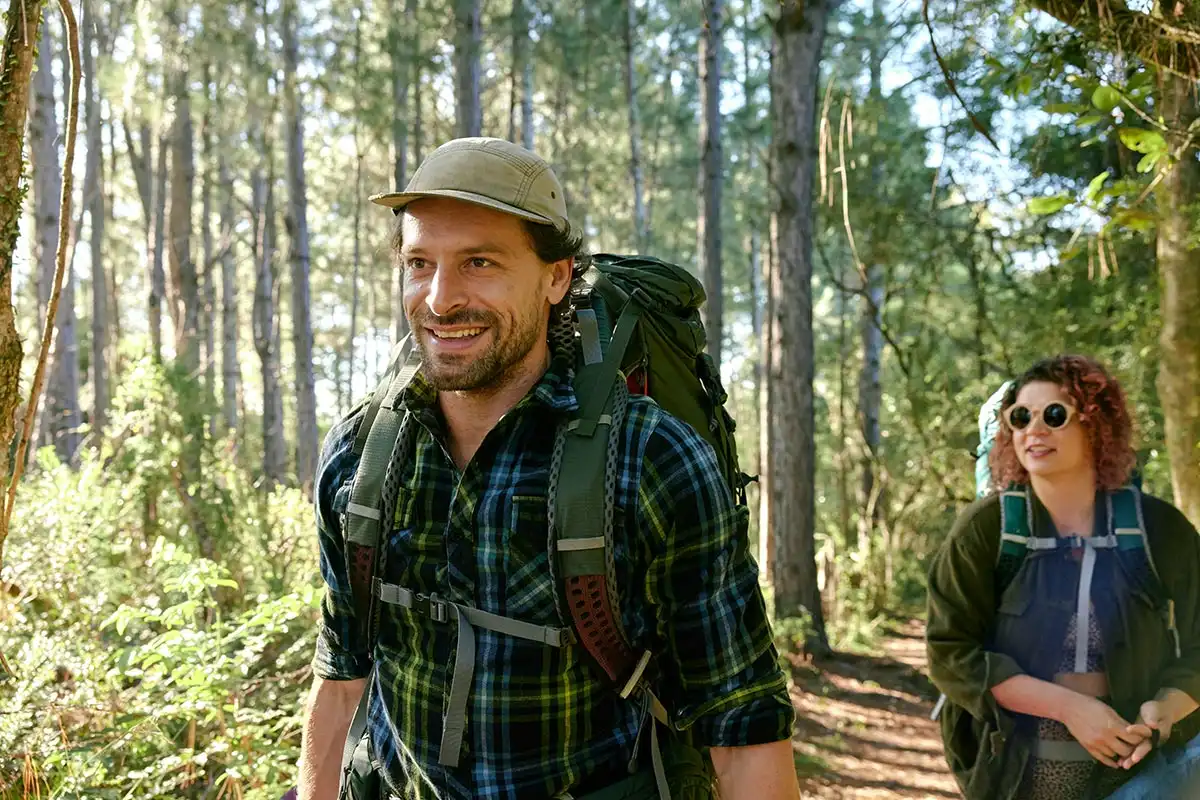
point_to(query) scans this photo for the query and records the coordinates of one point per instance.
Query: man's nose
(447, 291)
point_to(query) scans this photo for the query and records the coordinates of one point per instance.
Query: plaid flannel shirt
(539, 721)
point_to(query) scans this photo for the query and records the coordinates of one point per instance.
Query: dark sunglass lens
(1019, 417)
(1055, 415)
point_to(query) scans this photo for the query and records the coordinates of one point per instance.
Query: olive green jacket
(987, 760)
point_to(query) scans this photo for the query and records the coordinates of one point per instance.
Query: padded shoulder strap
(378, 432)
(1015, 526)
(582, 506)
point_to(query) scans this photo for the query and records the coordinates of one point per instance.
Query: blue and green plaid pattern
(539, 720)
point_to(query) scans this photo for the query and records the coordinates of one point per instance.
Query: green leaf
(1143, 141)
(1149, 161)
(1093, 188)
(1090, 119)
(1049, 205)
(1064, 108)
(1136, 219)
(1106, 98)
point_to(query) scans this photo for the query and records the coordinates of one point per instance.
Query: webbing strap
(1083, 608)
(358, 726)
(438, 609)
(589, 335)
(656, 761)
(466, 619)
(596, 380)
(455, 722)
(1058, 750)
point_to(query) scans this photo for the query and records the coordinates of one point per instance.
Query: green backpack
(636, 330)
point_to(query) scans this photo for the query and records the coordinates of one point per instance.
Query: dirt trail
(864, 729)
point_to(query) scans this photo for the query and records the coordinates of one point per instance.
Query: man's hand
(327, 717)
(756, 772)
(1101, 730)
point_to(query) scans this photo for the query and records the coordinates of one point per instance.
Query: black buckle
(433, 607)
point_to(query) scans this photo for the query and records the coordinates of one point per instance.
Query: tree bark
(296, 222)
(94, 196)
(60, 419)
(708, 228)
(265, 325)
(404, 62)
(799, 33)
(208, 320)
(184, 287)
(635, 131)
(231, 377)
(467, 43)
(20, 40)
(1179, 275)
(870, 385)
(346, 388)
(158, 276)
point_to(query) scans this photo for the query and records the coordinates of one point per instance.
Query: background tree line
(893, 208)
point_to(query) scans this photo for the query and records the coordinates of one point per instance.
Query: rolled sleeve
(341, 653)
(720, 671)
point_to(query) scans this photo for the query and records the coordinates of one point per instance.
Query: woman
(1064, 608)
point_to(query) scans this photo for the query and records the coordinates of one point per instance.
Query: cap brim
(398, 200)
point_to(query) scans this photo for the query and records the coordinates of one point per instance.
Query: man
(487, 253)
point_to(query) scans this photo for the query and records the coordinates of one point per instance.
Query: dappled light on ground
(863, 727)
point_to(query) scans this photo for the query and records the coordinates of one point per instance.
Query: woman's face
(1044, 451)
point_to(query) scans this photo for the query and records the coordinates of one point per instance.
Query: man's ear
(560, 280)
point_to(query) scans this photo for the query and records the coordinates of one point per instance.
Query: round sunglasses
(1054, 415)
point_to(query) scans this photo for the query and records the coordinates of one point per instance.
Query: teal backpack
(635, 329)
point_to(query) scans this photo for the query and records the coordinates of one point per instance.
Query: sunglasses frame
(1035, 413)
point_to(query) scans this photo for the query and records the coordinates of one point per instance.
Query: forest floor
(863, 727)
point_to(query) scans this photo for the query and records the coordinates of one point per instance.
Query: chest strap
(465, 619)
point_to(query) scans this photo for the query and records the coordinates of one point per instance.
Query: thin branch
(950, 79)
(64, 220)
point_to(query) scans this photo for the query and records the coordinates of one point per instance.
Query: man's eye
(415, 263)
(480, 263)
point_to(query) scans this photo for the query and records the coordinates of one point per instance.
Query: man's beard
(492, 368)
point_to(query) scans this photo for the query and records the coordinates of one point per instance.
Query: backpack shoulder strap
(364, 519)
(1128, 526)
(581, 508)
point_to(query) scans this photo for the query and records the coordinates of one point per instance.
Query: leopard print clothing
(1064, 780)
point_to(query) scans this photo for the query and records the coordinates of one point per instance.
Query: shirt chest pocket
(529, 589)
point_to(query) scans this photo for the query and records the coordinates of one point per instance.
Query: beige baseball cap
(489, 172)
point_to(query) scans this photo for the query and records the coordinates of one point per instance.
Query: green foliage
(143, 669)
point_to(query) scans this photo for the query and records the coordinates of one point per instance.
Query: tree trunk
(231, 376)
(635, 131)
(708, 228)
(467, 44)
(296, 222)
(60, 418)
(766, 432)
(404, 61)
(346, 388)
(208, 320)
(20, 40)
(795, 72)
(184, 287)
(265, 324)
(93, 194)
(158, 276)
(1179, 275)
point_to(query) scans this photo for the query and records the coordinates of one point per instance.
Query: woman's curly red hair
(1100, 401)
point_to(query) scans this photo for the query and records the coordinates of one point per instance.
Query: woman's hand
(1103, 733)
(1154, 715)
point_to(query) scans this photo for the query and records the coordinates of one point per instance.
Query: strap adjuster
(435, 608)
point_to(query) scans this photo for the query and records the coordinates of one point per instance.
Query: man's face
(476, 295)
